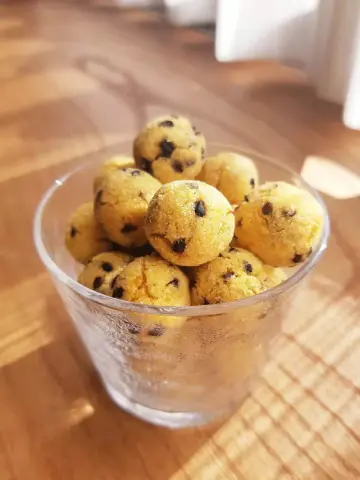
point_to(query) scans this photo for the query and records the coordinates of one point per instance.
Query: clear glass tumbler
(193, 373)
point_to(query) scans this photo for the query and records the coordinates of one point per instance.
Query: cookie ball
(170, 148)
(121, 204)
(233, 174)
(272, 277)
(101, 272)
(280, 223)
(110, 165)
(84, 237)
(235, 273)
(153, 281)
(189, 222)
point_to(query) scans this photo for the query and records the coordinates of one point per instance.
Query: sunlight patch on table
(45, 154)
(331, 178)
(230, 453)
(23, 326)
(80, 409)
(24, 48)
(10, 23)
(41, 88)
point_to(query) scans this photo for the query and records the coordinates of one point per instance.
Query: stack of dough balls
(170, 227)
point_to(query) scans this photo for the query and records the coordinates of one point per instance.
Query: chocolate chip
(167, 148)
(228, 275)
(246, 198)
(203, 153)
(239, 222)
(195, 130)
(128, 227)
(157, 331)
(133, 328)
(118, 292)
(175, 281)
(297, 258)
(98, 281)
(146, 165)
(146, 249)
(135, 173)
(193, 185)
(288, 213)
(231, 249)
(177, 166)
(107, 267)
(205, 301)
(248, 267)
(252, 183)
(166, 123)
(98, 198)
(267, 208)
(142, 196)
(113, 281)
(179, 245)
(200, 208)
(73, 231)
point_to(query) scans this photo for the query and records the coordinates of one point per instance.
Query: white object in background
(265, 29)
(335, 66)
(191, 12)
(129, 3)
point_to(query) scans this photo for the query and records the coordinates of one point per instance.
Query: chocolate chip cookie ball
(101, 272)
(233, 174)
(110, 165)
(84, 237)
(280, 223)
(121, 204)
(236, 273)
(153, 281)
(170, 148)
(189, 222)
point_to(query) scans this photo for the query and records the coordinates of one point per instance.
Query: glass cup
(194, 372)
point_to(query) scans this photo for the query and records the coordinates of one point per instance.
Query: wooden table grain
(76, 78)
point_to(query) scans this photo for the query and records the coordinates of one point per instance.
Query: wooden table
(76, 78)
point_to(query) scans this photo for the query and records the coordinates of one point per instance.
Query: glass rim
(188, 311)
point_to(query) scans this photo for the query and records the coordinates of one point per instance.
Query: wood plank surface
(76, 79)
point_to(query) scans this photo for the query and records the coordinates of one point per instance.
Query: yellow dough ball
(235, 273)
(233, 174)
(121, 204)
(272, 277)
(189, 222)
(110, 165)
(101, 272)
(280, 223)
(84, 237)
(153, 281)
(170, 148)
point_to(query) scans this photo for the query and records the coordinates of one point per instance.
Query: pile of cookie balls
(171, 227)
